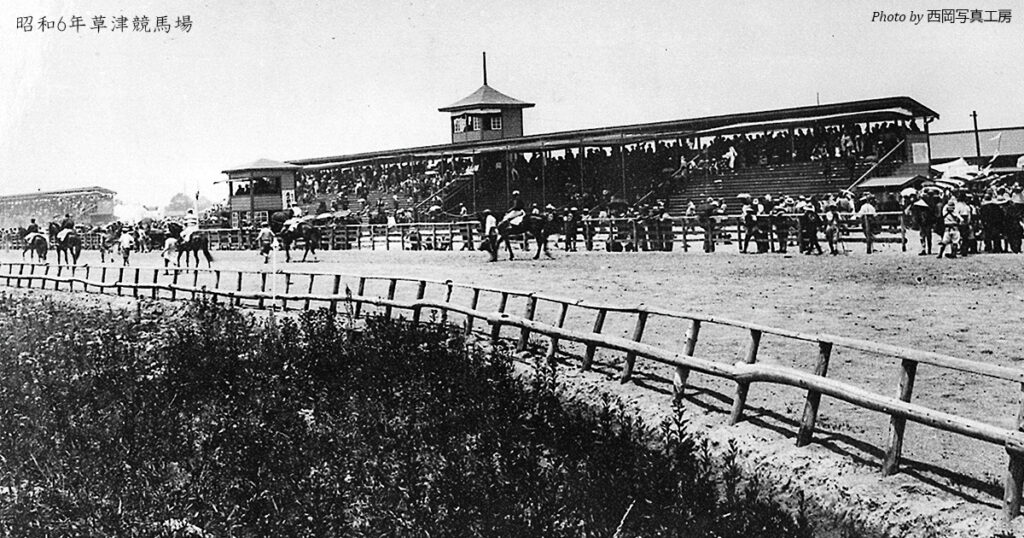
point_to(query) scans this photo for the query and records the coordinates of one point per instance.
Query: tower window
(495, 123)
(476, 123)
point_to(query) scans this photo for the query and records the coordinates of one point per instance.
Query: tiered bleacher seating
(795, 179)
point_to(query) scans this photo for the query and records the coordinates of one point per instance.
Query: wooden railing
(592, 234)
(288, 290)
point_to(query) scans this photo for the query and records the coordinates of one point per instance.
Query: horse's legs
(508, 247)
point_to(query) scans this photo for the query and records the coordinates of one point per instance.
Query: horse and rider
(289, 226)
(65, 240)
(35, 242)
(539, 225)
(187, 239)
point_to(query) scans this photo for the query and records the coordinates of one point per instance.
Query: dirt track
(971, 308)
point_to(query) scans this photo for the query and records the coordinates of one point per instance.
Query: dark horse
(37, 246)
(197, 243)
(309, 234)
(70, 245)
(539, 227)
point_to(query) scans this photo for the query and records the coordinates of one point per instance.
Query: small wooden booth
(259, 188)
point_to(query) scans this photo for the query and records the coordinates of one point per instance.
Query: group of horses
(68, 245)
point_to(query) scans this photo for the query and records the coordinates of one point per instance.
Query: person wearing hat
(782, 225)
(265, 239)
(991, 215)
(465, 229)
(951, 220)
(708, 212)
(570, 222)
(923, 216)
(832, 228)
(515, 214)
(490, 241)
(810, 222)
(866, 215)
(126, 243)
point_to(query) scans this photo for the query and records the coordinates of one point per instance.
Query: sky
(152, 114)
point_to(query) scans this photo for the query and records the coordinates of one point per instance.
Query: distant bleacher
(796, 179)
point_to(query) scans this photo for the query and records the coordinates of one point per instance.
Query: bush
(209, 422)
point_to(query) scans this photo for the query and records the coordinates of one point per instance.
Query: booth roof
(262, 164)
(485, 96)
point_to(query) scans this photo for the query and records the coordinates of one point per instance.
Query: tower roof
(485, 96)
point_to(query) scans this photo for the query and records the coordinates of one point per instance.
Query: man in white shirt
(866, 215)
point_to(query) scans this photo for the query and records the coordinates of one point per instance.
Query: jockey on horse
(35, 242)
(65, 239)
(32, 231)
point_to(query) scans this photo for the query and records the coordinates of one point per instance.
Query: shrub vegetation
(204, 421)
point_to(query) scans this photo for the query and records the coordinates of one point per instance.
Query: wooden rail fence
(324, 290)
(592, 234)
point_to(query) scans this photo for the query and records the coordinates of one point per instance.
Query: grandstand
(793, 151)
(87, 205)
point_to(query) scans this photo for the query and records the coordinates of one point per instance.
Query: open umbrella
(743, 195)
(909, 191)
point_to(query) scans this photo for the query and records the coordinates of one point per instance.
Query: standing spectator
(780, 222)
(866, 214)
(810, 222)
(923, 216)
(707, 221)
(569, 226)
(951, 223)
(832, 229)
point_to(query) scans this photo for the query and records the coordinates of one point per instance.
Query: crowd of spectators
(16, 211)
(628, 172)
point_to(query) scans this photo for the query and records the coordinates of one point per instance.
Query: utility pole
(977, 141)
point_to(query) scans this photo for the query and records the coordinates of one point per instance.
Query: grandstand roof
(485, 96)
(870, 110)
(1001, 141)
(63, 192)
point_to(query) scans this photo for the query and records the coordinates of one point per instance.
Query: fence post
(359, 293)
(391, 296)
(897, 424)
(309, 290)
(195, 279)
(553, 346)
(813, 396)
(287, 290)
(638, 333)
(120, 278)
(334, 293)
(524, 335)
(588, 356)
(263, 287)
(686, 231)
(1015, 468)
(903, 232)
(742, 387)
(238, 289)
(496, 327)
(447, 299)
(682, 372)
(472, 306)
(103, 279)
(739, 234)
(135, 288)
(421, 289)
(46, 272)
(56, 283)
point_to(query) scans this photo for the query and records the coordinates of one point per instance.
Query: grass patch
(212, 422)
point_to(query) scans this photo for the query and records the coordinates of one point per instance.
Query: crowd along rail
(609, 234)
(265, 290)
